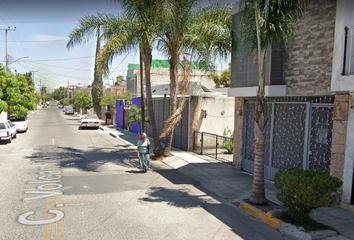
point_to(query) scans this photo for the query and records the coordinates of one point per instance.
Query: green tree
(59, 93)
(138, 27)
(266, 23)
(135, 116)
(29, 78)
(16, 96)
(191, 30)
(66, 102)
(83, 100)
(223, 80)
(88, 27)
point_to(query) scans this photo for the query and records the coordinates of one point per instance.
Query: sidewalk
(228, 183)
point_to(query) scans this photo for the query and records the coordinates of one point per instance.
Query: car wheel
(15, 136)
(10, 140)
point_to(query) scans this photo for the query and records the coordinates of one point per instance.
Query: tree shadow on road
(88, 160)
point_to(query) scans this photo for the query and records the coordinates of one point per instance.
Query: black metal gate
(214, 146)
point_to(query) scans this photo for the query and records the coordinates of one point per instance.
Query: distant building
(72, 89)
(116, 88)
(160, 75)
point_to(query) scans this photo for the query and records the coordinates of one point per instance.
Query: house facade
(160, 74)
(310, 100)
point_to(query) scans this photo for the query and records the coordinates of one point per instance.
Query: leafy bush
(229, 147)
(301, 191)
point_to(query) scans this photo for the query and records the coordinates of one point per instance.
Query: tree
(88, 27)
(266, 23)
(59, 93)
(83, 100)
(135, 116)
(28, 77)
(16, 96)
(223, 80)
(66, 101)
(190, 30)
(136, 28)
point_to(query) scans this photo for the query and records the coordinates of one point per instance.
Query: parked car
(7, 130)
(60, 105)
(69, 110)
(20, 123)
(90, 121)
(44, 106)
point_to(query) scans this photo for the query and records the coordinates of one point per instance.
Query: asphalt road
(60, 182)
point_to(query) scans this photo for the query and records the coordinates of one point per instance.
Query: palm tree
(88, 27)
(190, 31)
(266, 23)
(137, 27)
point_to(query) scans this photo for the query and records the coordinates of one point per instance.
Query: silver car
(69, 110)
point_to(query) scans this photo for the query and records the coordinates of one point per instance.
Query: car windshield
(91, 117)
(2, 126)
(69, 108)
(21, 119)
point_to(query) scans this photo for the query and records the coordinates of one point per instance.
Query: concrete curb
(267, 218)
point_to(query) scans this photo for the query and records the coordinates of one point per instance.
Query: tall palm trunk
(97, 85)
(174, 64)
(147, 59)
(260, 123)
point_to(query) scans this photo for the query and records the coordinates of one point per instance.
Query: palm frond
(86, 29)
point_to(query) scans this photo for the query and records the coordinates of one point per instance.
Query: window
(348, 64)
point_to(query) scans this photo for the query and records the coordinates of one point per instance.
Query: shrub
(301, 191)
(229, 147)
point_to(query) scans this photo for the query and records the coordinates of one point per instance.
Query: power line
(59, 59)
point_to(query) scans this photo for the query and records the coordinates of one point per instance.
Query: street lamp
(17, 59)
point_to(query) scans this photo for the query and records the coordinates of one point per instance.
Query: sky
(39, 42)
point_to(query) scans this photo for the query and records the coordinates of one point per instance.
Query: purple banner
(136, 101)
(120, 113)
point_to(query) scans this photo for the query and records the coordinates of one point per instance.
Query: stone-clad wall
(309, 59)
(341, 107)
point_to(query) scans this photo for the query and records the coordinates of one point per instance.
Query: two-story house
(310, 100)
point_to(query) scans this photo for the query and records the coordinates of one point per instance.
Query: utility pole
(7, 47)
(33, 77)
(41, 90)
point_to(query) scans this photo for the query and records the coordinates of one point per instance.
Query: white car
(20, 123)
(7, 130)
(90, 121)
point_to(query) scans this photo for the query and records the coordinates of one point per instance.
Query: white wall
(344, 18)
(349, 154)
(3, 115)
(219, 114)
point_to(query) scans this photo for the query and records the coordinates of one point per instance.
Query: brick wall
(308, 67)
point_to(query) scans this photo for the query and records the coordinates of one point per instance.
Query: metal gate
(181, 133)
(298, 134)
(213, 145)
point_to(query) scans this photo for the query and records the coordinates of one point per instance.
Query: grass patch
(310, 226)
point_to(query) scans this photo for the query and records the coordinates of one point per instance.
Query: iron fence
(215, 146)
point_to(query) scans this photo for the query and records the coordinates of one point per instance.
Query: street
(61, 182)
